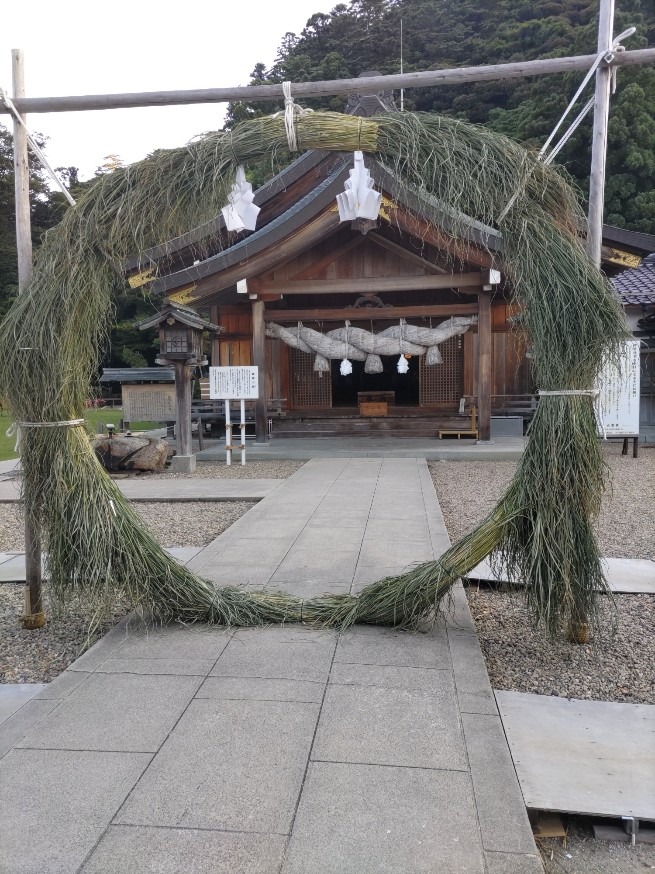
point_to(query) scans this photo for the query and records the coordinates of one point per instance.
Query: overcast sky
(83, 47)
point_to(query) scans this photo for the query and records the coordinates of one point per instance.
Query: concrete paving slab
(175, 641)
(157, 666)
(63, 685)
(513, 863)
(384, 726)
(129, 713)
(502, 815)
(470, 671)
(364, 645)
(142, 850)
(358, 819)
(589, 757)
(55, 805)
(392, 677)
(628, 575)
(230, 765)
(14, 729)
(290, 653)
(14, 695)
(304, 588)
(256, 689)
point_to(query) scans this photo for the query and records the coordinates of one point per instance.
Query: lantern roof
(185, 315)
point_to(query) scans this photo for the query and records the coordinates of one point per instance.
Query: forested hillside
(365, 35)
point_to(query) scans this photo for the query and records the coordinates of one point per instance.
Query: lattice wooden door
(443, 383)
(308, 388)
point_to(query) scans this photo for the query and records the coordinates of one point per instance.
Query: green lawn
(93, 417)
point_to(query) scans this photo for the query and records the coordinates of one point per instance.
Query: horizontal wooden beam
(364, 85)
(470, 283)
(365, 314)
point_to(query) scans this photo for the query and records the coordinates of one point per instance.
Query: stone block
(254, 689)
(229, 765)
(55, 805)
(293, 652)
(116, 712)
(382, 726)
(183, 463)
(384, 646)
(361, 819)
(142, 850)
(513, 863)
(503, 818)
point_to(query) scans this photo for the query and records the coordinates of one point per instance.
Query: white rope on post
(291, 110)
(608, 57)
(8, 102)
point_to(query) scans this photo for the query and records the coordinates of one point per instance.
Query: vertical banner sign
(618, 400)
(233, 383)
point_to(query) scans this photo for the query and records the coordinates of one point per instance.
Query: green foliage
(365, 35)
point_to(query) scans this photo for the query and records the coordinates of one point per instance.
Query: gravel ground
(37, 657)
(280, 469)
(610, 668)
(621, 668)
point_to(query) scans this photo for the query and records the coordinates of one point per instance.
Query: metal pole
(34, 615)
(599, 136)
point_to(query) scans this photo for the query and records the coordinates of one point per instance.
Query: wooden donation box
(375, 403)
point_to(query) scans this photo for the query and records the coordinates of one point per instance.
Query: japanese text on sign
(147, 403)
(618, 400)
(233, 383)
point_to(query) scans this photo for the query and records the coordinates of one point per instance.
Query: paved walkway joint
(279, 749)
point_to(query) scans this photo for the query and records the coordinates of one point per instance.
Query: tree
(45, 212)
(365, 35)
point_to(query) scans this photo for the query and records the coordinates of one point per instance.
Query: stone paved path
(276, 749)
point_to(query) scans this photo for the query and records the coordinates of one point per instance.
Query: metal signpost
(234, 383)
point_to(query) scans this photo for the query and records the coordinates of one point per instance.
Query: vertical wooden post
(185, 462)
(215, 357)
(259, 360)
(33, 582)
(484, 366)
(599, 136)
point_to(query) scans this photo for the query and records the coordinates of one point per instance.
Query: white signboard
(619, 394)
(233, 383)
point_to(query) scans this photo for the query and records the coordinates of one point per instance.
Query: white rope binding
(566, 392)
(34, 146)
(18, 427)
(580, 392)
(291, 110)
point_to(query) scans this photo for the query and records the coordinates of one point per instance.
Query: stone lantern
(180, 343)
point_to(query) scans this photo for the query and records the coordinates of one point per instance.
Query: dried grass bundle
(50, 345)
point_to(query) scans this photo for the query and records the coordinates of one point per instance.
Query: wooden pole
(215, 356)
(599, 136)
(183, 418)
(259, 360)
(300, 90)
(34, 617)
(484, 366)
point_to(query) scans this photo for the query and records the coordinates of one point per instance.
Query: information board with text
(233, 383)
(618, 401)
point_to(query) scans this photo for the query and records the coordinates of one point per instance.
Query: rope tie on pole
(8, 102)
(18, 427)
(607, 57)
(291, 110)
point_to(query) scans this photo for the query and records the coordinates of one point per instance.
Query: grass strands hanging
(51, 340)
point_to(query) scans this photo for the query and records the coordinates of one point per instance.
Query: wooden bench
(462, 432)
